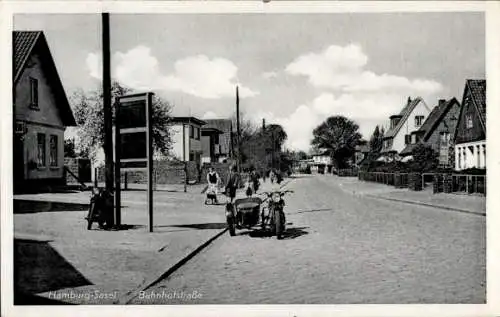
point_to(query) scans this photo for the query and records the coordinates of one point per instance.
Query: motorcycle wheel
(280, 224)
(90, 216)
(231, 226)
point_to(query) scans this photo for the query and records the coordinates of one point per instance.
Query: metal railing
(469, 184)
(348, 172)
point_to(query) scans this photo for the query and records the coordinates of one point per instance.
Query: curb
(428, 205)
(127, 299)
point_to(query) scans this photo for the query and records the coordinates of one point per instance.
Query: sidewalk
(57, 258)
(458, 202)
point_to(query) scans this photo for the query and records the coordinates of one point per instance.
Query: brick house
(470, 133)
(186, 138)
(410, 119)
(41, 113)
(436, 131)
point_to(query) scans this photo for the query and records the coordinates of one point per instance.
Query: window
(33, 93)
(40, 150)
(407, 139)
(191, 156)
(216, 139)
(53, 151)
(197, 133)
(419, 120)
(191, 131)
(413, 138)
(468, 121)
(445, 138)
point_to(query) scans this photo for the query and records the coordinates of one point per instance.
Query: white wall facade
(409, 126)
(322, 159)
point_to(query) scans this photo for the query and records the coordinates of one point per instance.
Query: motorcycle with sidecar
(246, 213)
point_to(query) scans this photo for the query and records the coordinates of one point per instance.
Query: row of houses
(42, 113)
(454, 130)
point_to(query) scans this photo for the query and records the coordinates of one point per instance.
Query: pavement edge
(127, 299)
(428, 205)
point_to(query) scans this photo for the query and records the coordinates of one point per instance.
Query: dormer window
(33, 93)
(419, 120)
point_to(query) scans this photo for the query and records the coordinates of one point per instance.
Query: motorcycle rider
(233, 182)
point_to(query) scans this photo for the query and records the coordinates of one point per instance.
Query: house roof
(211, 130)
(478, 93)
(186, 120)
(224, 125)
(437, 114)
(405, 113)
(24, 44)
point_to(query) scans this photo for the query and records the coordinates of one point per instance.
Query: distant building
(437, 131)
(186, 138)
(410, 119)
(210, 138)
(470, 134)
(223, 149)
(361, 152)
(41, 113)
(322, 162)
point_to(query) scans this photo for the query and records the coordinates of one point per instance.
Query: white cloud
(198, 75)
(350, 90)
(210, 115)
(269, 75)
(367, 110)
(343, 69)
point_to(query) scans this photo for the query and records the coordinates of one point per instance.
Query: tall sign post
(134, 135)
(238, 137)
(108, 124)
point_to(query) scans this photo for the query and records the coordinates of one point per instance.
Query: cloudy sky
(292, 69)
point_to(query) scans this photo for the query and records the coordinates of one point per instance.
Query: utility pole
(106, 88)
(238, 128)
(263, 125)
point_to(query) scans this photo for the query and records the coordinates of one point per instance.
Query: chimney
(441, 102)
(263, 124)
(409, 99)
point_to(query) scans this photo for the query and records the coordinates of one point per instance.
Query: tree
(424, 159)
(69, 148)
(339, 136)
(376, 140)
(88, 110)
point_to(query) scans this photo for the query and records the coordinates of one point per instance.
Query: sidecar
(244, 213)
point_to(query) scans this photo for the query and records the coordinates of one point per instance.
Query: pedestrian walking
(213, 181)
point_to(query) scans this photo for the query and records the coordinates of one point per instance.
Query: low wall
(164, 172)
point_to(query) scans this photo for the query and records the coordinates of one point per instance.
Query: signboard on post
(134, 141)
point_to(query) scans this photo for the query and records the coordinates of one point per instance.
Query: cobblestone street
(340, 248)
